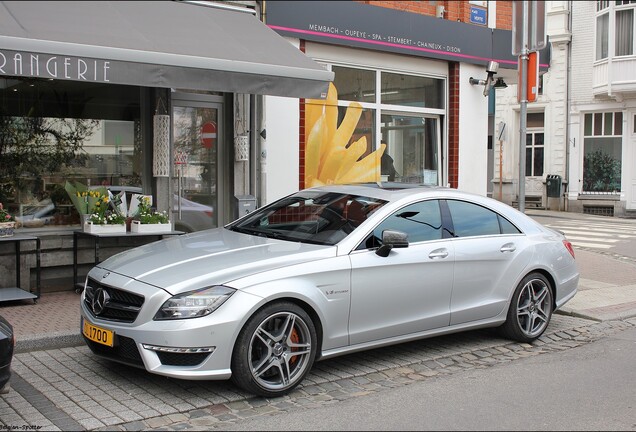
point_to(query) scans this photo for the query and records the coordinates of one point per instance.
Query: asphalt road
(590, 387)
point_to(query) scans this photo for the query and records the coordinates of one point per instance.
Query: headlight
(194, 304)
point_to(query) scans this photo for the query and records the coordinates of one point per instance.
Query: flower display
(5, 216)
(86, 200)
(102, 213)
(95, 204)
(108, 218)
(330, 157)
(146, 215)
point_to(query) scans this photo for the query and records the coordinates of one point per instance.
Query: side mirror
(392, 239)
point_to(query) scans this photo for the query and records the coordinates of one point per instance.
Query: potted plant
(7, 222)
(148, 219)
(103, 218)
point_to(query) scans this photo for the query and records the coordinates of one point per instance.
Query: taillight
(569, 247)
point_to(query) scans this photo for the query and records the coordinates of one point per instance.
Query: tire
(530, 309)
(275, 350)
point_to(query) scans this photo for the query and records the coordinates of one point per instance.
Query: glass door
(195, 180)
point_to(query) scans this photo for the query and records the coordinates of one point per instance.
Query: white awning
(154, 44)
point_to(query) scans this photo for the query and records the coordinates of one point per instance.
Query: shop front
(156, 98)
(408, 80)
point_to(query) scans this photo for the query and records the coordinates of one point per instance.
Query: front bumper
(158, 346)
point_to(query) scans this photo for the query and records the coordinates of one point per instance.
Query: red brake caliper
(295, 339)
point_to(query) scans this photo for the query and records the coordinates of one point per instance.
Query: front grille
(121, 306)
(181, 359)
(124, 350)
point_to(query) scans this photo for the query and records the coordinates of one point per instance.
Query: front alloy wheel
(530, 310)
(275, 350)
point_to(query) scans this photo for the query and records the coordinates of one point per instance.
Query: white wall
(280, 164)
(473, 131)
(583, 51)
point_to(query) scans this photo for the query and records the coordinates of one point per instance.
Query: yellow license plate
(98, 334)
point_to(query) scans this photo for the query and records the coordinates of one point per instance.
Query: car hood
(217, 256)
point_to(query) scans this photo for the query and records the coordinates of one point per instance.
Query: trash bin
(244, 204)
(553, 184)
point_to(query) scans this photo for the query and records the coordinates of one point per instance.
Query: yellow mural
(331, 156)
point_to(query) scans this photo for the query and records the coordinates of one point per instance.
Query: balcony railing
(614, 76)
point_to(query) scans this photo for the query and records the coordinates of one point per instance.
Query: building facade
(547, 152)
(155, 98)
(408, 67)
(581, 129)
(603, 108)
(205, 108)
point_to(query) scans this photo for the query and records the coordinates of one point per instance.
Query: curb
(48, 341)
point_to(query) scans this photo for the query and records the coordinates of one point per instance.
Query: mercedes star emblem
(100, 300)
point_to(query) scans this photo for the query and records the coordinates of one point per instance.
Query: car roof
(406, 192)
(389, 191)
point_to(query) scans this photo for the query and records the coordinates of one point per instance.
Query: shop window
(52, 132)
(412, 151)
(416, 91)
(386, 125)
(354, 84)
(602, 152)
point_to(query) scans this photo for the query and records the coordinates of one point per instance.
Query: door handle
(508, 247)
(438, 254)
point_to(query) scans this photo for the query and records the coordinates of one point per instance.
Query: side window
(420, 221)
(473, 220)
(507, 227)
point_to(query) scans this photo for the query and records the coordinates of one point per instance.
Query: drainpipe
(262, 133)
(568, 89)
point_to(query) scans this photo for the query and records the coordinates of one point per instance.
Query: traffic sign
(208, 134)
(528, 26)
(532, 78)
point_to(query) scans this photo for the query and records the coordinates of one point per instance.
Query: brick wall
(455, 10)
(301, 136)
(504, 15)
(453, 124)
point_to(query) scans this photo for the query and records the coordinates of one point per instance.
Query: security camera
(492, 67)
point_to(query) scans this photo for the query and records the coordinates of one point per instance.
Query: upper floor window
(602, 36)
(624, 31)
(615, 18)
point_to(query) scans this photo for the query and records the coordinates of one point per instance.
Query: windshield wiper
(259, 233)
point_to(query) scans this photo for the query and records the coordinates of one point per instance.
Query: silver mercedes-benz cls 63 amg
(321, 273)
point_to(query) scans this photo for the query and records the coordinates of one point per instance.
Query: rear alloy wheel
(275, 350)
(530, 310)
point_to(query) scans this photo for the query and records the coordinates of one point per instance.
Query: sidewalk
(607, 291)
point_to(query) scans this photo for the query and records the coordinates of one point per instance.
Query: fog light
(179, 350)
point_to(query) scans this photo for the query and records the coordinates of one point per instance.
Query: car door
(409, 290)
(490, 254)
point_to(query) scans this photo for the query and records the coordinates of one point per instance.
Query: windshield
(310, 217)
